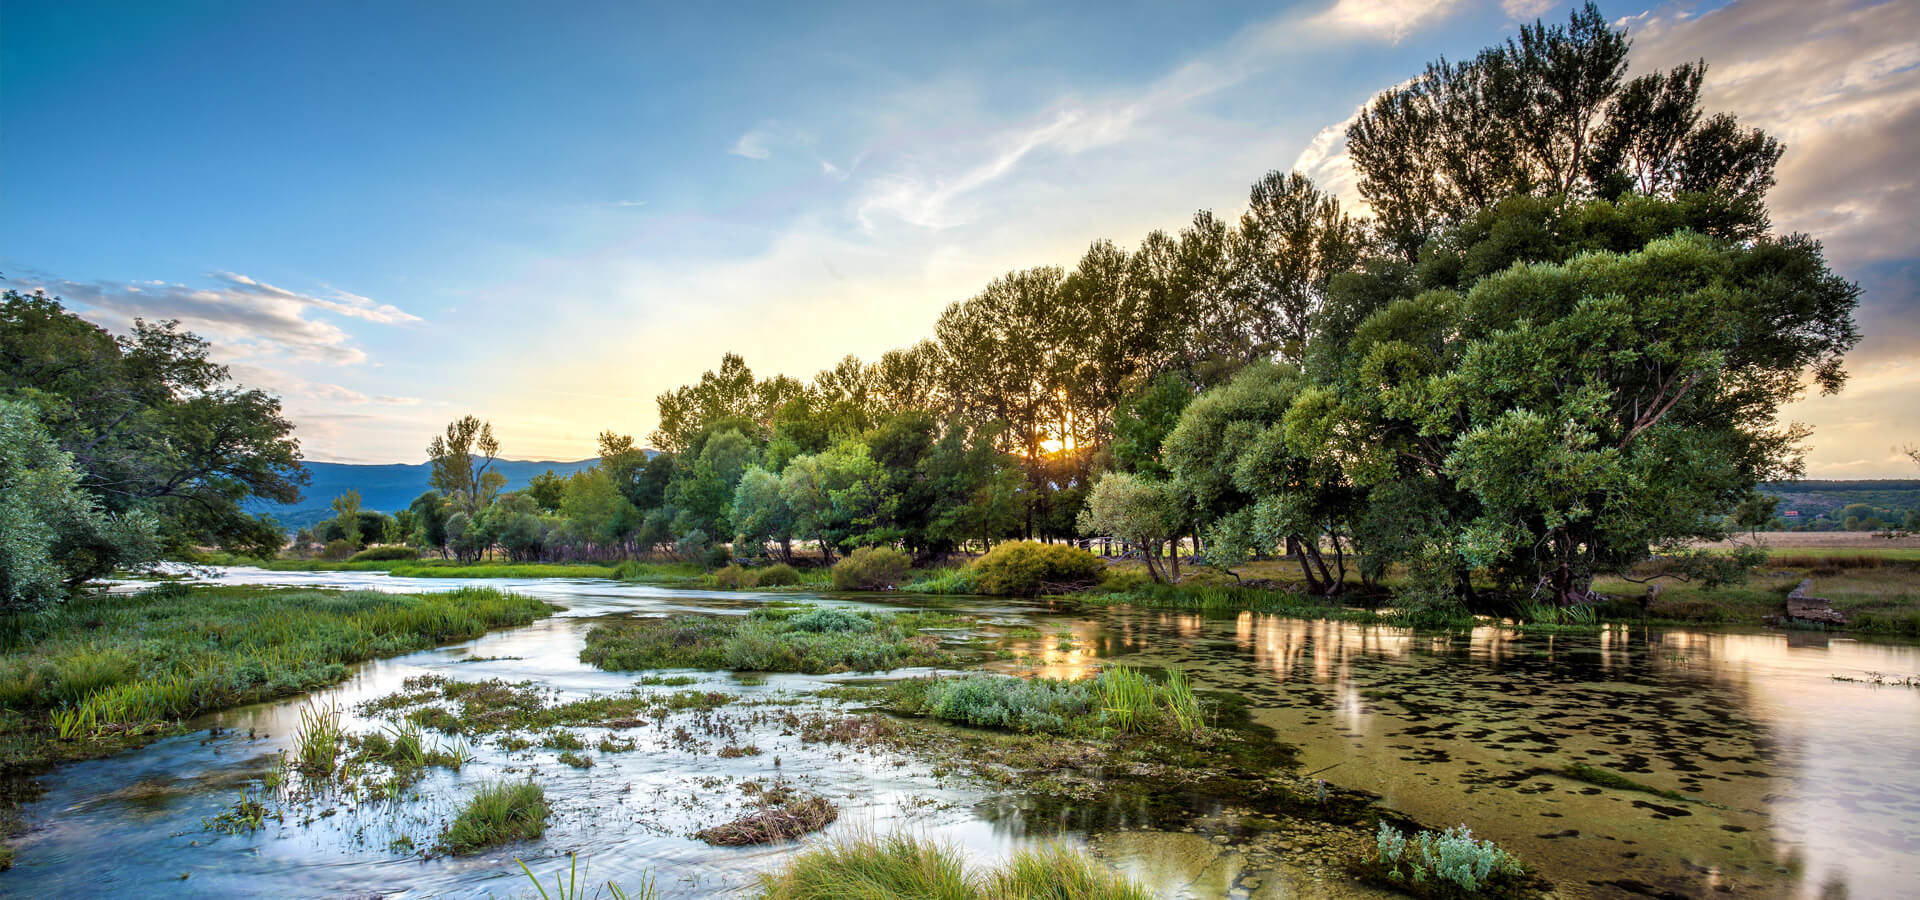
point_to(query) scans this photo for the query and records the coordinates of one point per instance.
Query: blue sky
(546, 214)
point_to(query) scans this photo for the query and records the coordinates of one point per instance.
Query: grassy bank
(104, 672)
(425, 568)
(779, 638)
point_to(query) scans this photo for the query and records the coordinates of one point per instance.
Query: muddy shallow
(1807, 786)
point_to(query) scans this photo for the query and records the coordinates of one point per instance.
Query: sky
(395, 213)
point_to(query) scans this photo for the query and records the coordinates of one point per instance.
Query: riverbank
(106, 672)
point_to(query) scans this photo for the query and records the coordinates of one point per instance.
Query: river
(1798, 784)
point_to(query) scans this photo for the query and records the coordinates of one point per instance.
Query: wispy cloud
(246, 317)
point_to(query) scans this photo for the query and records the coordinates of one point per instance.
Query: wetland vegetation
(1436, 448)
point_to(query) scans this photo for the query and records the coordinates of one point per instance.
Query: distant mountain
(390, 487)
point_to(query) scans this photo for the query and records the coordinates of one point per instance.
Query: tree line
(1560, 344)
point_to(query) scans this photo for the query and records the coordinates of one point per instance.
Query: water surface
(1798, 785)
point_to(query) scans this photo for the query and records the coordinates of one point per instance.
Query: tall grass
(113, 665)
(499, 813)
(770, 639)
(317, 741)
(902, 867)
(1118, 699)
(575, 889)
(944, 581)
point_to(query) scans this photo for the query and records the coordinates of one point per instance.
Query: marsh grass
(104, 672)
(499, 813)
(806, 639)
(574, 889)
(944, 581)
(1119, 699)
(902, 867)
(317, 741)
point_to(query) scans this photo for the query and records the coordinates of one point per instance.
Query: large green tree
(53, 535)
(152, 424)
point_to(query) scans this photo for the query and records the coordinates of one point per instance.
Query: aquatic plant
(1611, 779)
(776, 639)
(317, 741)
(1434, 862)
(247, 815)
(902, 867)
(1119, 698)
(945, 581)
(1056, 872)
(499, 813)
(574, 889)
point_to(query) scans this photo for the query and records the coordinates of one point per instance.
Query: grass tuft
(500, 813)
(902, 867)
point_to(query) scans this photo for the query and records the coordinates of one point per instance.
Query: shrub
(776, 575)
(732, 578)
(1444, 863)
(827, 618)
(337, 549)
(385, 554)
(507, 811)
(871, 569)
(1025, 568)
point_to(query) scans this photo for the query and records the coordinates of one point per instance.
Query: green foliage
(776, 575)
(945, 581)
(337, 549)
(1445, 864)
(100, 666)
(155, 430)
(1026, 568)
(52, 532)
(1138, 510)
(901, 867)
(385, 554)
(1118, 699)
(871, 569)
(771, 639)
(499, 813)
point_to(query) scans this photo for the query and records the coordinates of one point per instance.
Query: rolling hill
(385, 488)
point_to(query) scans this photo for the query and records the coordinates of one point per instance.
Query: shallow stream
(1797, 784)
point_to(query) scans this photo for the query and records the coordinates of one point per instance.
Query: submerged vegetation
(813, 640)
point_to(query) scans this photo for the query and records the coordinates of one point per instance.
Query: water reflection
(1806, 786)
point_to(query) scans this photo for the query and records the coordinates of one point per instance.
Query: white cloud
(1525, 10)
(752, 145)
(1388, 20)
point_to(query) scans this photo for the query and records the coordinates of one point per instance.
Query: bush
(732, 578)
(1444, 863)
(776, 575)
(385, 554)
(337, 549)
(871, 569)
(827, 618)
(1025, 568)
